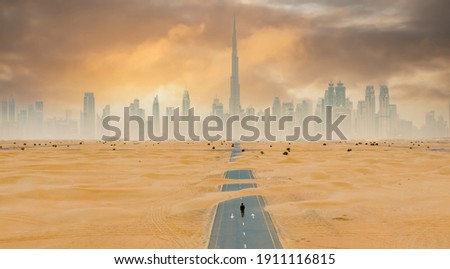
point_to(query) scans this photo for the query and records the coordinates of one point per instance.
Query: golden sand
(149, 195)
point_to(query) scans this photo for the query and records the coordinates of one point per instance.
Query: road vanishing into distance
(253, 230)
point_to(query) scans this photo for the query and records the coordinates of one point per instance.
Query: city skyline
(364, 121)
(57, 51)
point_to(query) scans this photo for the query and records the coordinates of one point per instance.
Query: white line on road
(243, 223)
(244, 233)
(232, 216)
(245, 245)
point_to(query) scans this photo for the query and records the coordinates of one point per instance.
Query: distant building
(88, 116)
(405, 129)
(39, 115)
(369, 116)
(287, 109)
(170, 111)
(250, 111)
(298, 114)
(12, 110)
(393, 121)
(329, 95)
(186, 104)
(276, 107)
(136, 110)
(4, 111)
(106, 111)
(434, 128)
(156, 115)
(217, 108)
(235, 87)
(61, 128)
(22, 118)
(340, 98)
(361, 122)
(383, 114)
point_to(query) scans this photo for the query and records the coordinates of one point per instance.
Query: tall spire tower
(235, 91)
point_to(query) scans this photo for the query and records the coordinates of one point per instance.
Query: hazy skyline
(121, 50)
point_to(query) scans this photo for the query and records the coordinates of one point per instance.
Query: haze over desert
(163, 195)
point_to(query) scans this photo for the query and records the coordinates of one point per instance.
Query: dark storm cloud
(44, 45)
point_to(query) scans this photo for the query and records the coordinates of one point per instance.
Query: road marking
(243, 233)
(232, 216)
(267, 225)
(243, 223)
(218, 229)
(253, 216)
(245, 245)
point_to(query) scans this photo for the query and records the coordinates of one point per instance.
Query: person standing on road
(242, 207)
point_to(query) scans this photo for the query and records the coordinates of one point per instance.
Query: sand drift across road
(254, 230)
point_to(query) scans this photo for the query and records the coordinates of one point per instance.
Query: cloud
(5, 72)
(121, 50)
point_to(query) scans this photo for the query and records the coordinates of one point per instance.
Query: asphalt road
(235, 151)
(254, 230)
(239, 174)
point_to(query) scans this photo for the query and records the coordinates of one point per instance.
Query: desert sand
(150, 195)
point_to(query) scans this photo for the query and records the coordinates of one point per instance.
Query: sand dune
(150, 195)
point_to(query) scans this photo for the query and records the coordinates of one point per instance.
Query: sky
(121, 50)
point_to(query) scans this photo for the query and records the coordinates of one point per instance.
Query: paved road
(441, 149)
(236, 187)
(253, 230)
(235, 151)
(239, 174)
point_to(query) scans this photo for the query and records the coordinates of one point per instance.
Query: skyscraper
(393, 120)
(250, 111)
(306, 108)
(106, 111)
(384, 112)
(361, 119)
(156, 115)
(88, 116)
(136, 110)
(369, 114)
(39, 107)
(134, 107)
(217, 108)
(329, 95)
(4, 111)
(235, 88)
(287, 109)
(12, 110)
(276, 107)
(186, 105)
(340, 99)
